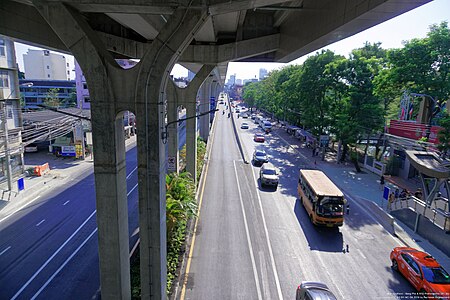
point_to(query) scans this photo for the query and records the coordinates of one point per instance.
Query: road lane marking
(134, 187)
(269, 245)
(64, 204)
(63, 265)
(200, 201)
(51, 257)
(131, 173)
(360, 252)
(247, 232)
(20, 208)
(43, 220)
(9, 247)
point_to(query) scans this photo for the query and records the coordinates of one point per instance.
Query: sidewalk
(362, 187)
(62, 170)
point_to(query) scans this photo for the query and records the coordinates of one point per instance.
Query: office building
(262, 74)
(61, 93)
(11, 150)
(44, 65)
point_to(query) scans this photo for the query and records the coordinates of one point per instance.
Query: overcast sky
(391, 34)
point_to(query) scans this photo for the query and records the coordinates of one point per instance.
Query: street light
(5, 131)
(431, 112)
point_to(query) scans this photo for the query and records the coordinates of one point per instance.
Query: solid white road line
(64, 264)
(9, 247)
(269, 245)
(131, 173)
(51, 257)
(43, 220)
(250, 248)
(20, 208)
(60, 248)
(66, 202)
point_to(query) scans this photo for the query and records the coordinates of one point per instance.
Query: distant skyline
(391, 34)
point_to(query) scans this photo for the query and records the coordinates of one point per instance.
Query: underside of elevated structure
(203, 36)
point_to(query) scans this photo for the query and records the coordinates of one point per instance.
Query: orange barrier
(42, 169)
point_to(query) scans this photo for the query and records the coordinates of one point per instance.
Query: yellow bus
(323, 200)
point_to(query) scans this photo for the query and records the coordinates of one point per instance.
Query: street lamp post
(431, 112)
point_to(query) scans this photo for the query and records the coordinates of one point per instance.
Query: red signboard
(413, 130)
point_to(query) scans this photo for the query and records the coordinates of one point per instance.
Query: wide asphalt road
(52, 244)
(255, 243)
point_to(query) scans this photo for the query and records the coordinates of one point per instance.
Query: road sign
(171, 163)
(386, 193)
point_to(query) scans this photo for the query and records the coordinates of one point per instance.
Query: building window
(87, 100)
(48, 67)
(85, 86)
(48, 75)
(4, 79)
(67, 64)
(2, 48)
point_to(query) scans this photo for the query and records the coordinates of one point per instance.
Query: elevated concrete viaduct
(201, 35)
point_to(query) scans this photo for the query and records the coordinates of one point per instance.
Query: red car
(422, 271)
(259, 137)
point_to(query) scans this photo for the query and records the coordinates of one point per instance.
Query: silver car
(268, 175)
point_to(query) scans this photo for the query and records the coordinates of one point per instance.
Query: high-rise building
(44, 65)
(262, 74)
(11, 150)
(232, 80)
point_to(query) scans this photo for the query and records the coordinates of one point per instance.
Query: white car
(244, 125)
(31, 148)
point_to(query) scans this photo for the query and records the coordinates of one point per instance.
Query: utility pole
(6, 145)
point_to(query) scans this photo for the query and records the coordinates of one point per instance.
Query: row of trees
(353, 97)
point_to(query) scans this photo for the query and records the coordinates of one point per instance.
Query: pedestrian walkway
(364, 186)
(62, 170)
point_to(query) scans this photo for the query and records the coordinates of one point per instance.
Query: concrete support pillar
(151, 85)
(140, 90)
(187, 97)
(205, 94)
(190, 100)
(101, 72)
(173, 159)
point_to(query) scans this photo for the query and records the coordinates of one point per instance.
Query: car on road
(244, 125)
(259, 137)
(310, 290)
(268, 175)
(237, 110)
(260, 157)
(422, 271)
(253, 116)
(31, 148)
(244, 115)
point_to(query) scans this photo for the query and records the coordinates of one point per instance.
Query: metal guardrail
(438, 215)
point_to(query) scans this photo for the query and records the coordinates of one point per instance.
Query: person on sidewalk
(382, 181)
(391, 200)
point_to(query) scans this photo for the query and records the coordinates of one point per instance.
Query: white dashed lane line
(1, 253)
(40, 222)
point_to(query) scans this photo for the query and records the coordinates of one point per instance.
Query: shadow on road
(319, 238)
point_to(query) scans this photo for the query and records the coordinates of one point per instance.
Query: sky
(391, 34)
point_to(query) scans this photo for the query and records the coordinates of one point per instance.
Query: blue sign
(386, 193)
(20, 184)
(212, 106)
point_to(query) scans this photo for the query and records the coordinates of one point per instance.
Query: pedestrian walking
(391, 200)
(397, 194)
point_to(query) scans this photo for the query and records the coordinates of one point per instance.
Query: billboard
(413, 130)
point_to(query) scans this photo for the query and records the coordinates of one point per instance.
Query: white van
(267, 126)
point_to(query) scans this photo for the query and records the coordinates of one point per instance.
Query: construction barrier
(42, 169)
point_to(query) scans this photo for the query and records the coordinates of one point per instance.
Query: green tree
(423, 65)
(444, 135)
(357, 111)
(52, 98)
